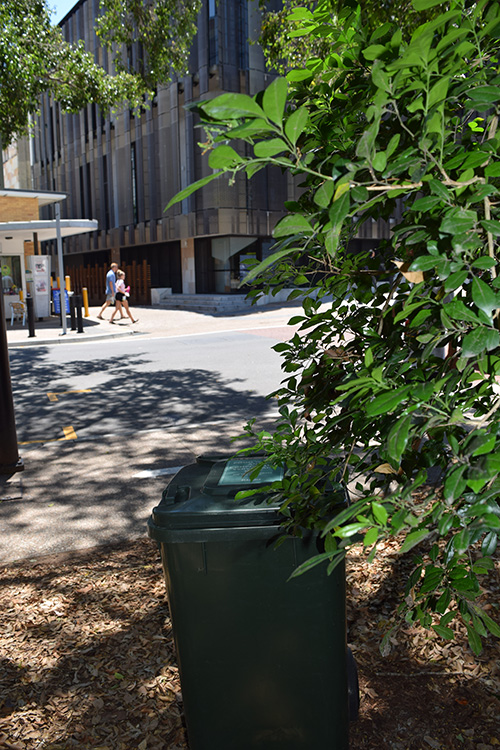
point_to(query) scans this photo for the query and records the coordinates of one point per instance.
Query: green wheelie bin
(263, 660)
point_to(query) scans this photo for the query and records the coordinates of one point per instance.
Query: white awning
(44, 197)
(45, 230)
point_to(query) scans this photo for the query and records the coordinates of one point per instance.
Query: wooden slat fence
(138, 277)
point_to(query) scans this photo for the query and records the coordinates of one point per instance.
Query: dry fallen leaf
(58, 672)
(414, 277)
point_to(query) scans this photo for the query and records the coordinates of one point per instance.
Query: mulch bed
(87, 661)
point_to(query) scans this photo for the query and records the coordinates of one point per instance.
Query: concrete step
(207, 303)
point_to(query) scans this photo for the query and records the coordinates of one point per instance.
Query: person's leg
(118, 307)
(127, 308)
(103, 308)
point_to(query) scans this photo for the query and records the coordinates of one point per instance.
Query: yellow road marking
(69, 434)
(53, 396)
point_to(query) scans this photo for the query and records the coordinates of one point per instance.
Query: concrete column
(188, 267)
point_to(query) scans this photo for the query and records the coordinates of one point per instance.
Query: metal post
(31, 315)
(79, 318)
(61, 269)
(72, 305)
(9, 455)
(85, 301)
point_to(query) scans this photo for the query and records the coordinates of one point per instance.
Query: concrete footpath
(74, 495)
(152, 321)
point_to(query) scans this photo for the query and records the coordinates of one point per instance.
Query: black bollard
(9, 454)
(79, 316)
(72, 306)
(31, 315)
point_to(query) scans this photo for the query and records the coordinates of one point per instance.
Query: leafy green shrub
(393, 385)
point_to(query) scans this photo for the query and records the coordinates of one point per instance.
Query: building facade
(122, 170)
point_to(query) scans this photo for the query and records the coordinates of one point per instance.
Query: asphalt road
(104, 425)
(126, 386)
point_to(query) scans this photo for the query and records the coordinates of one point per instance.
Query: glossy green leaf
(423, 263)
(483, 262)
(461, 541)
(484, 297)
(492, 226)
(492, 626)
(420, 5)
(480, 340)
(444, 632)
(459, 220)
(455, 280)
(492, 170)
(490, 543)
(397, 438)
(454, 484)
(438, 92)
(474, 640)
(440, 190)
(324, 194)
(386, 402)
(224, 157)
(457, 310)
(296, 124)
(379, 162)
(249, 129)
(292, 224)
(349, 530)
(274, 100)
(232, 106)
(339, 209)
(269, 261)
(479, 443)
(380, 513)
(374, 51)
(312, 562)
(190, 189)
(484, 95)
(412, 539)
(272, 147)
(299, 75)
(370, 537)
(393, 144)
(425, 204)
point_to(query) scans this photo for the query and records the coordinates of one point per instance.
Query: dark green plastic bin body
(262, 659)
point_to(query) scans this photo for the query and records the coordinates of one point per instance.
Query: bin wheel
(352, 686)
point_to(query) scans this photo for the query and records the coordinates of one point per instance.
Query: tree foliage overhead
(35, 58)
(287, 43)
(392, 385)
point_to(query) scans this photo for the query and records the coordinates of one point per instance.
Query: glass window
(11, 273)
(213, 56)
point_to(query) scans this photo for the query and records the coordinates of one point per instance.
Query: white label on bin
(237, 471)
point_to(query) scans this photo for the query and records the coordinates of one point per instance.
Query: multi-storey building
(122, 169)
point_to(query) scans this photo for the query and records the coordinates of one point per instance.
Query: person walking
(110, 289)
(121, 297)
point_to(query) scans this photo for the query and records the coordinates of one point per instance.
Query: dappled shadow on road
(88, 490)
(128, 394)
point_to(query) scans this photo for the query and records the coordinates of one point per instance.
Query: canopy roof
(45, 230)
(44, 197)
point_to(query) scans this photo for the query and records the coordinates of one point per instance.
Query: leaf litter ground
(87, 660)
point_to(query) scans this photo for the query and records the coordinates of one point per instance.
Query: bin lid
(202, 496)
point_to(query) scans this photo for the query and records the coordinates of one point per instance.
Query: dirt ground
(87, 661)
